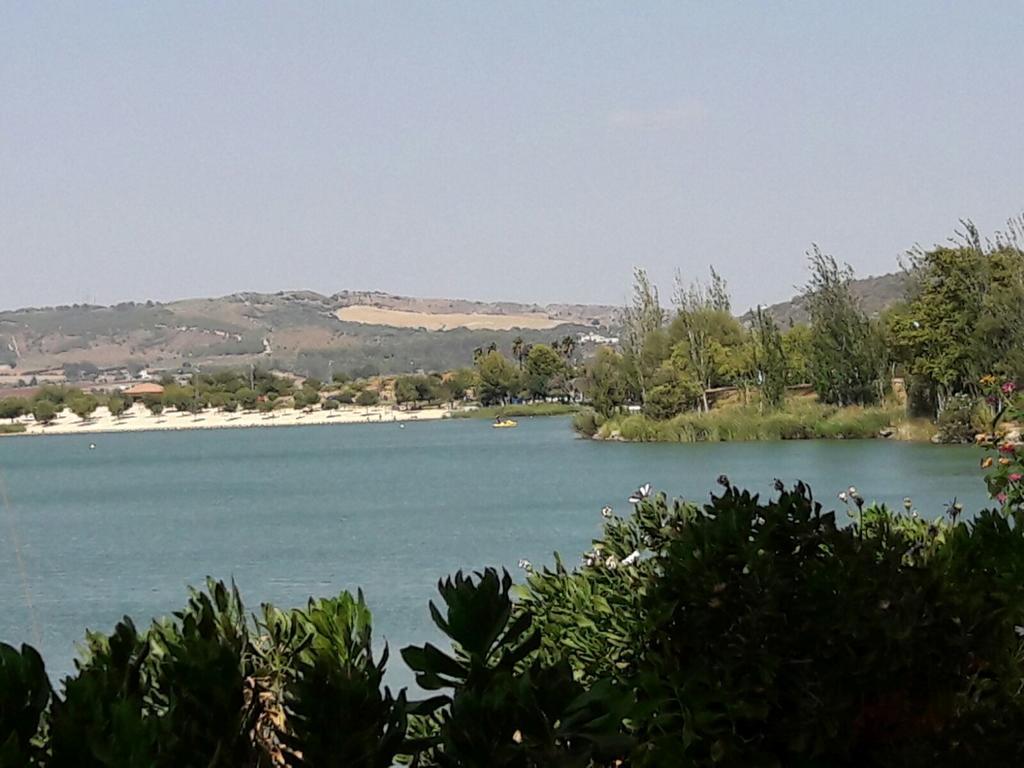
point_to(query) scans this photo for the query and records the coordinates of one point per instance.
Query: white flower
(640, 494)
(607, 513)
(631, 558)
(525, 564)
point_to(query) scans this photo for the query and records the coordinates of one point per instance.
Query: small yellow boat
(505, 424)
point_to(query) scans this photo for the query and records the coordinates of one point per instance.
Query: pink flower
(1008, 388)
(1001, 498)
(1007, 448)
(1016, 477)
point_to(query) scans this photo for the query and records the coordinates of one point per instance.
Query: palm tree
(568, 347)
(477, 354)
(517, 350)
(492, 347)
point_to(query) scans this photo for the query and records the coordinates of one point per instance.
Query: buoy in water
(92, 446)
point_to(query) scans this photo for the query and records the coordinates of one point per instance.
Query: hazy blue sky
(530, 151)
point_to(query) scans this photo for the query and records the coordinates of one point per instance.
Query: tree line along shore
(693, 371)
(922, 368)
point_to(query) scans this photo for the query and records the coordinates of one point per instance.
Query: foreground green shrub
(506, 707)
(24, 696)
(764, 634)
(335, 709)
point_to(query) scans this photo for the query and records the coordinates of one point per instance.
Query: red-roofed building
(144, 389)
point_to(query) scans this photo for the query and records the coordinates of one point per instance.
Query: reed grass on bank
(523, 409)
(796, 421)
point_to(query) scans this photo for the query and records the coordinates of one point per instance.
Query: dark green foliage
(13, 407)
(670, 394)
(763, 634)
(605, 382)
(201, 660)
(417, 389)
(497, 379)
(117, 405)
(83, 405)
(153, 404)
(957, 421)
(770, 359)
(505, 709)
(587, 422)
(845, 360)
(965, 314)
(24, 696)
(922, 399)
(367, 397)
(100, 719)
(543, 366)
(306, 398)
(44, 411)
(56, 394)
(246, 397)
(337, 712)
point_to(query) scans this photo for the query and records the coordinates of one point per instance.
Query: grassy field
(525, 409)
(801, 419)
(11, 429)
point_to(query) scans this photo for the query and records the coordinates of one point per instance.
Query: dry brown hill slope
(295, 330)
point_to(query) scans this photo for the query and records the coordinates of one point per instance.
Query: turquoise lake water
(294, 512)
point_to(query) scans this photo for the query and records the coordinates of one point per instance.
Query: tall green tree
(542, 365)
(642, 321)
(703, 329)
(13, 407)
(796, 345)
(769, 359)
(117, 405)
(844, 362)
(458, 383)
(605, 382)
(83, 406)
(519, 350)
(44, 411)
(498, 379)
(964, 315)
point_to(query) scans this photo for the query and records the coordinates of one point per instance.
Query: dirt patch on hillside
(445, 321)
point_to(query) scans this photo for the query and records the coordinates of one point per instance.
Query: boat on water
(504, 424)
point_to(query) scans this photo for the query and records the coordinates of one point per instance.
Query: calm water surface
(290, 512)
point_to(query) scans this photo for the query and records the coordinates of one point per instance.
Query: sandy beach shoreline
(139, 419)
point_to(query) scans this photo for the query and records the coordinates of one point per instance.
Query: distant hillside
(876, 294)
(356, 332)
(301, 331)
